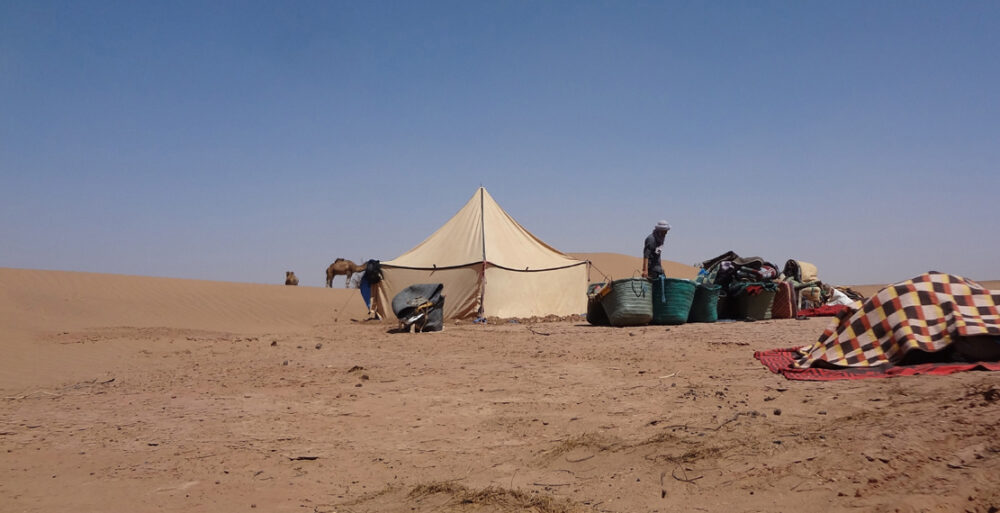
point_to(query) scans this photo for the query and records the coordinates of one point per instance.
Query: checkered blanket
(924, 313)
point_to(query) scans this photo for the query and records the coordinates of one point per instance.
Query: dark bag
(595, 310)
(421, 306)
(373, 271)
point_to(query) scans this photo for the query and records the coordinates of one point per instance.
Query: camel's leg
(347, 279)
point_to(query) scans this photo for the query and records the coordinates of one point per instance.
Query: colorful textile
(851, 293)
(811, 296)
(784, 302)
(728, 255)
(800, 271)
(924, 314)
(738, 288)
(729, 266)
(838, 298)
(765, 272)
(782, 361)
(823, 311)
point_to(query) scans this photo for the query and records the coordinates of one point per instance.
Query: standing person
(652, 268)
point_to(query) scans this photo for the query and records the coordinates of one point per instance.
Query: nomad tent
(490, 266)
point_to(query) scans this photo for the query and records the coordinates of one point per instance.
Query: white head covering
(661, 227)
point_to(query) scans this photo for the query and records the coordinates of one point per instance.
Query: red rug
(780, 361)
(822, 311)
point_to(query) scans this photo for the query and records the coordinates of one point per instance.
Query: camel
(345, 267)
(290, 278)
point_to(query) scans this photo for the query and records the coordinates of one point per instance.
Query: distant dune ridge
(38, 307)
(618, 266)
(35, 300)
(44, 300)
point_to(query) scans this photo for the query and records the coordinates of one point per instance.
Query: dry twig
(684, 479)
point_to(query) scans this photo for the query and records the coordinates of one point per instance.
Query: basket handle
(642, 290)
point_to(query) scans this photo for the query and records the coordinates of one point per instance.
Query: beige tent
(489, 265)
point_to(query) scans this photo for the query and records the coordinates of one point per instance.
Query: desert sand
(126, 393)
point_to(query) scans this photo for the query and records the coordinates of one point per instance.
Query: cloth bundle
(928, 313)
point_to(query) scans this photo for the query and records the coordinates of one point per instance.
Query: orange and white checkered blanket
(925, 313)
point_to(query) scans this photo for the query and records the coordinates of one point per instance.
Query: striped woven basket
(628, 302)
(755, 306)
(672, 300)
(705, 305)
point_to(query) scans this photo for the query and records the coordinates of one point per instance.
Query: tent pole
(482, 233)
(482, 222)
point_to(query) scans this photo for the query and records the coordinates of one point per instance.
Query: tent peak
(482, 232)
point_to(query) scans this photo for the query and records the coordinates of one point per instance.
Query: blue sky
(235, 141)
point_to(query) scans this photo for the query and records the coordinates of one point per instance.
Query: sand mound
(58, 300)
(618, 266)
(49, 317)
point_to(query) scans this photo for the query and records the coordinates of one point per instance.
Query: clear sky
(235, 141)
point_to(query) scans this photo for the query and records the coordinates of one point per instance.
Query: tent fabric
(928, 313)
(489, 265)
(461, 288)
(520, 294)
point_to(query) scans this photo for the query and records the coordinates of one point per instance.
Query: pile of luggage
(727, 287)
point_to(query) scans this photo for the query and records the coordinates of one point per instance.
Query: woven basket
(628, 302)
(705, 305)
(672, 300)
(726, 308)
(595, 312)
(755, 306)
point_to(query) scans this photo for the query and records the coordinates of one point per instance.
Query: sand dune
(33, 300)
(618, 266)
(38, 307)
(58, 300)
(36, 300)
